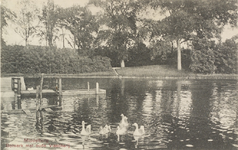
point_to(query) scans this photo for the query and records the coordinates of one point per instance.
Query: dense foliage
(36, 59)
(187, 34)
(226, 57)
(203, 57)
(188, 21)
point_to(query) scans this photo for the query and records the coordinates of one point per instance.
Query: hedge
(37, 59)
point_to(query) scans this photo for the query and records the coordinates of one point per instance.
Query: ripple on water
(162, 129)
(189, 145)
(235, 145)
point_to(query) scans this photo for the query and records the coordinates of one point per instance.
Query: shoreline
(193, 76)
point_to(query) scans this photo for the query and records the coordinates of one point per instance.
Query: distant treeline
(205, 57)
(37, 59)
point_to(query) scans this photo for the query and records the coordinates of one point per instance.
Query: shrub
(203, 57)
(37, 59)
(226, 58)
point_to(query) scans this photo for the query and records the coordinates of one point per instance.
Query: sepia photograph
(119, 74)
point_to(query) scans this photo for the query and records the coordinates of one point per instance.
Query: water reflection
(176, 114)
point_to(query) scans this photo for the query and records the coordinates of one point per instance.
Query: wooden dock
(16, 86)
(83, 92)
(31, 93)
(49, 92)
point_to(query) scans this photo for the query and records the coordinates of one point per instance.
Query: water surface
(176, 114)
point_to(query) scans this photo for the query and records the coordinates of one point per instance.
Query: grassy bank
(154, 71)
(167, 72)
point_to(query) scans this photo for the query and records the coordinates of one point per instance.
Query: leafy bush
(37, 59)
(203, 57)
(139, 56)
(226, 58)
(210, 58)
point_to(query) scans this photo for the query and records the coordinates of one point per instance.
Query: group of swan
(121, 128)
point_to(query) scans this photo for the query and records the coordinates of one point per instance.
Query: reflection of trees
(204, 123)
(201, 93)
(169, 112)
(224, 104)
(126, 96)
(199, 124)
(55, 100)
(114, 112)
(138, 100)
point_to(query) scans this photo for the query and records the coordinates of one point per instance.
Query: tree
(6, 14)
(50, 19)
(119, 20)
(203, 57)
(26, 20)
(186, 19)
(226, 58)
(82, 25)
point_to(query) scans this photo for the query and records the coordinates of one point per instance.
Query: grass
(141, 71)
(152, 71)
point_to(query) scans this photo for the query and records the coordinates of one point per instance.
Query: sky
(9, 34)
(11, 37)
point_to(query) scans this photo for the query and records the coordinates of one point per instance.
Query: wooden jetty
(49, 92)
(31, 93)
(17, 85)
(13, 89)
(83, 92)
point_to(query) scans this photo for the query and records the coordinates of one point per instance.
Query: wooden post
(18, 87)
(37, 91)
(88, 86)
(37, 96)
(19, 93)
(41, 84)
(97, 88)
(60, 86)
(57, 84)
(60, 100)
(14, 84)
(15, 100)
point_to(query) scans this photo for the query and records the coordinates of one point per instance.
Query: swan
(86, 131)
(123, 122)
(139, 132)
(120, 131)
(104, 130)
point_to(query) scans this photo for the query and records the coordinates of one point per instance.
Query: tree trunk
(63, 42)
(179, 55)
(50, 38)
(122, 63)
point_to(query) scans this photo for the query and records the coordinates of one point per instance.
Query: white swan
(104, 130)
(123, 122)
(86, 131)
(139, 132)
(120, 131)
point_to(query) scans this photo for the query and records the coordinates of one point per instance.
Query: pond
(176, 114)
